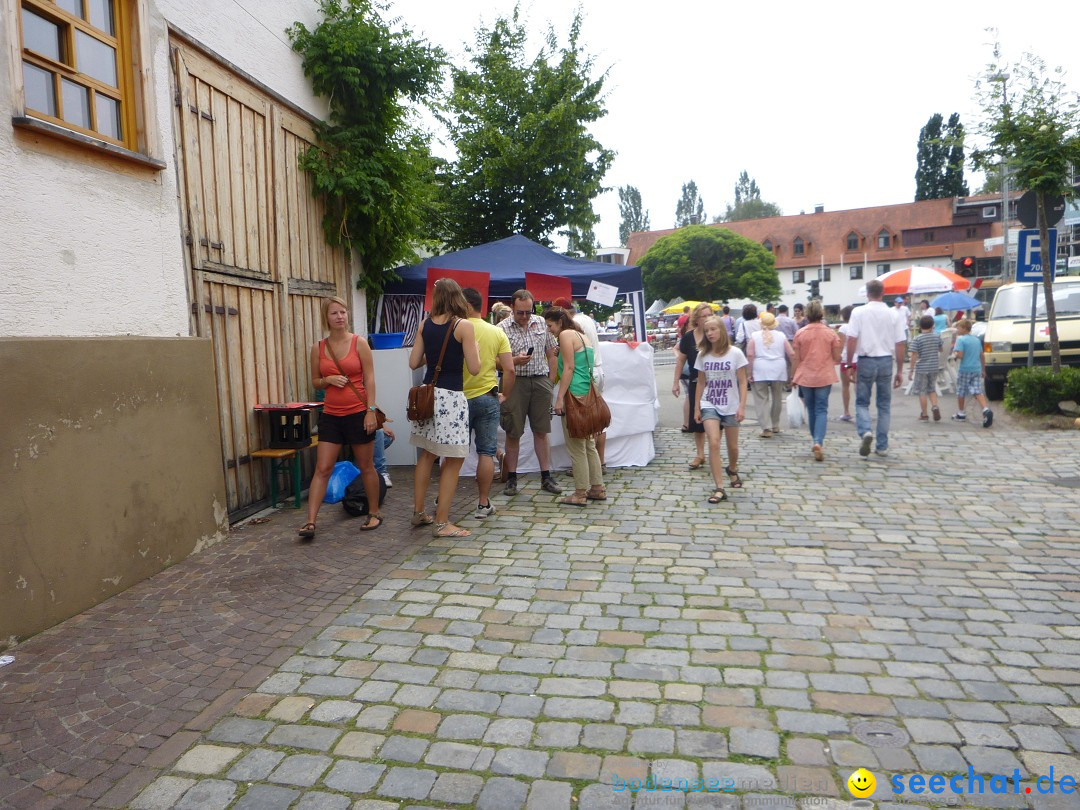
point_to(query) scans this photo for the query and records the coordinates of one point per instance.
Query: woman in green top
(575, 375)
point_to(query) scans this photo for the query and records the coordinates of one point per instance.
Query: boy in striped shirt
(925, 352)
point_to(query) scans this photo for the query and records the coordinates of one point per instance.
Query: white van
(1008, 329)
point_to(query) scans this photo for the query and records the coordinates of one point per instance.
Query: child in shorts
(970, 373)
(925, 352)
(721, 401)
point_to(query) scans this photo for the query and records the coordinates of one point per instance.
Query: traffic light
(965, 266)
(815, 288)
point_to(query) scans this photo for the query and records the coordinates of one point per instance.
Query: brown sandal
(596, 494)
(307, 531)
(373, 522)
(421, 519)
(697, 462)
(579, 498)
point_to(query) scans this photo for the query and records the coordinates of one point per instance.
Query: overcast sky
(819, 102)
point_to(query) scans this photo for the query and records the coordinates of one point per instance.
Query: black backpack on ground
(355, 501)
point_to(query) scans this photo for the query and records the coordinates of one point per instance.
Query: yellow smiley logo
(861, 783)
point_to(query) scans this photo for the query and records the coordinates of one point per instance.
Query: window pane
(71, 6)
(101, 15)
(41, 35)
(39, 88)
(95, 58)
(76, 103)
(108, 116)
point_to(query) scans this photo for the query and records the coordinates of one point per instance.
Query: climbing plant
(371, 163)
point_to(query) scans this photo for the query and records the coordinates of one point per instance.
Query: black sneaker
(988, 417)
(511, 487)
(549, 485)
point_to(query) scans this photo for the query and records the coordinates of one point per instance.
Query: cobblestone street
(917, 613)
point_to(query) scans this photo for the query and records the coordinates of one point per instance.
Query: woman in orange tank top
(348, 416)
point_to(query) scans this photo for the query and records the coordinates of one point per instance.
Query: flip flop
(307, 531)
(367, 527)
(437, 531)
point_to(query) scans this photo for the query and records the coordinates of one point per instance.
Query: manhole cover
(1066, 481)
(878, 734)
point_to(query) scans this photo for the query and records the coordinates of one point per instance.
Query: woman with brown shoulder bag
(342, 365)
(446, 344)
(575, 380)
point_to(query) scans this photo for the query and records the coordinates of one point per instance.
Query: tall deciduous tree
(748, 202)
(630, 210)
(709, 263)
(690, 210)
(940, 159)
(581, 243)
(370, 164)
(526, 162)
(1035, 128)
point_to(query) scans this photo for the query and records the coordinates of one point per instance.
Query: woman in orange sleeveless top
(348, 416)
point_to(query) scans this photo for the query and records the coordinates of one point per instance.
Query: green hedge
(1039, 390)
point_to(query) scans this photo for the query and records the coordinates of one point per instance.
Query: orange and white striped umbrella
(919, 279)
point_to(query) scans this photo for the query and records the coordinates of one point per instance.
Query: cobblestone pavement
(916, 613)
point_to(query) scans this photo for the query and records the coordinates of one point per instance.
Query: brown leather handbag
(421, 404)
(380, 417)
(586, 415)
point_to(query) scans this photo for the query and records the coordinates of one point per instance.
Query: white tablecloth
(630, 392)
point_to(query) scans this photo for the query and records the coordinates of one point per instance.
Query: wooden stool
(285, 461)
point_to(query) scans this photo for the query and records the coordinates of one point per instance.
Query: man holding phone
(533, 349)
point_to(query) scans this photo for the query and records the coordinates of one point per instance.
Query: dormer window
(883, 239)
(798, 246)
(853, 241)
(767, 244)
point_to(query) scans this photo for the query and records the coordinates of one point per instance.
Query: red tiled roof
(825, 234)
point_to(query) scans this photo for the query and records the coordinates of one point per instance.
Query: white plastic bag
(796, 410)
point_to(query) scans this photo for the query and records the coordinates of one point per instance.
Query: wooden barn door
(258, 262)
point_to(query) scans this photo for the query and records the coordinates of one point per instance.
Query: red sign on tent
(547, 288)
(476, 279)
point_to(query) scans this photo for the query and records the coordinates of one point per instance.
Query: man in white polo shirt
(876, 337)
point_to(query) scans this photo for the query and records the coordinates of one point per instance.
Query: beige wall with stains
(110, 470)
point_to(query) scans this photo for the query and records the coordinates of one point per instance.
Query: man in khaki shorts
(533, 349)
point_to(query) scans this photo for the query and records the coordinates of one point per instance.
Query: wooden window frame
(798, 276)
(852, 237)
(855, 273)
(888, 238)
(798, 247)
(133, 59)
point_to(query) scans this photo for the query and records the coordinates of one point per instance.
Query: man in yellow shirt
(482, 392)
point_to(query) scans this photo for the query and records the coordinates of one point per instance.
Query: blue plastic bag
(343, 475)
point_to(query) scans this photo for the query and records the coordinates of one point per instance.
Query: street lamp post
(1003, 77)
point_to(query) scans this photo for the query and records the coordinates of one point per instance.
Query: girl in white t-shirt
(722, 402)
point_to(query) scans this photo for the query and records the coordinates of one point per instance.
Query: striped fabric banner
(400, 313)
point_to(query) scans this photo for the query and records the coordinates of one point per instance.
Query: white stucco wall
(93, 247)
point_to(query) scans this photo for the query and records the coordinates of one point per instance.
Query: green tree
(1035, 128)
(690, 210)
(526, 162)
(748, 202)
(711, 264)
(580, 243)
(940, 160)
(372, 167)
(633, 218)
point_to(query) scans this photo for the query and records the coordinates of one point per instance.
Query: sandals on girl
(373, 522)
(736, 481)
(307, 531)
(421, 519)
(718, 495)
(697, 462)
(439, 530)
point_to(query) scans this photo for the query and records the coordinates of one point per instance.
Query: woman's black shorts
(344, 429)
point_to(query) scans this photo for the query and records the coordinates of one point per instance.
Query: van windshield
(1015, 303)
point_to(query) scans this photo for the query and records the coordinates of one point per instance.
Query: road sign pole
(1031, 336)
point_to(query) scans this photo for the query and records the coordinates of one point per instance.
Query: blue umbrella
(956, 300)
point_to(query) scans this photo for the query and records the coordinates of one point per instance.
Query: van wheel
(995, 389)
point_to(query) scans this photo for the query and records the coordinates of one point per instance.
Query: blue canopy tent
(506, 261)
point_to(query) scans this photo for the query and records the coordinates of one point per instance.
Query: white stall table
(630, 392)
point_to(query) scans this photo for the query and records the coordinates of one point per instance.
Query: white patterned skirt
(447, 434)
